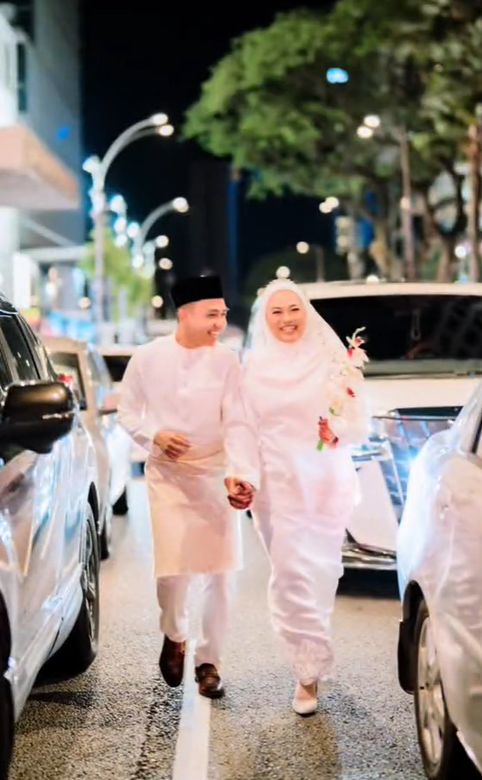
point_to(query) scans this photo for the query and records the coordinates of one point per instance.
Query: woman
(306, 496)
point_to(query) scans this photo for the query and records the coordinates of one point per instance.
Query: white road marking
(192, 749)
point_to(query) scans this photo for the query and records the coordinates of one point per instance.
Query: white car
(425, 347)
(116, 357)
(81, 364)
(440, 577)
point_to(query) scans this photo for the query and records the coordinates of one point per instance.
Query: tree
(269, 107)
(120, 275)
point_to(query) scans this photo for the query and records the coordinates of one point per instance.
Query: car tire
(447, 760)
(6, 708)
(121, 506)
(80, 648)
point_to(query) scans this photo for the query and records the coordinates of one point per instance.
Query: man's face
(204, 321)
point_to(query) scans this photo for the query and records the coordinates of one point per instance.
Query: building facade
(40, 117)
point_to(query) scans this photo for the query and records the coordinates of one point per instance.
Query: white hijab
(275, 362)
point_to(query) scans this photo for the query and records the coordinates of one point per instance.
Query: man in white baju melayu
(306, 497)
(181, 401)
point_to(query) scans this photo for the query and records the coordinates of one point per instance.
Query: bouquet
(343, 389)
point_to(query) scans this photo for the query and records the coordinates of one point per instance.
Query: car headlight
(376, 447)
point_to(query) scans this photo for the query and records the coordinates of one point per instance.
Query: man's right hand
(174, 445)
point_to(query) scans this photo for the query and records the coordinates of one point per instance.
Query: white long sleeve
(240, 435)
(133, 408)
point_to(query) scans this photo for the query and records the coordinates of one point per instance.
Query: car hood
(385, 395)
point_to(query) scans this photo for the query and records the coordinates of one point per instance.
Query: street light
(177, 204)
(372, 121)
(165, 264)
(162, 242)
(283, 272)
(166, 130)
(302, 247)
(364, 132)
(98, 169)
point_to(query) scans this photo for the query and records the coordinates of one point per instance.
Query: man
(181, 400)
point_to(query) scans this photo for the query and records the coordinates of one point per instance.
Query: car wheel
(6, 709)
(80, 648)
(442, 754)
(121, 506)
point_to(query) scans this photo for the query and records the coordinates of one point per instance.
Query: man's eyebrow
(215, 310)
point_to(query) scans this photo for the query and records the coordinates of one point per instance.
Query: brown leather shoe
(171, 662)
(209, 681)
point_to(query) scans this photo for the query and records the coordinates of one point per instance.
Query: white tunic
(196, 393)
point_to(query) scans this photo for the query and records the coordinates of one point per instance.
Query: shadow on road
(369, 584)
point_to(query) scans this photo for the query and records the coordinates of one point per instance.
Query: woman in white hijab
(306, 496)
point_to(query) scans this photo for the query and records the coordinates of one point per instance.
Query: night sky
(137, 62)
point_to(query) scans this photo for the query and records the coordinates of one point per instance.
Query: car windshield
(116, 365)
(67, 366)
(412, 334)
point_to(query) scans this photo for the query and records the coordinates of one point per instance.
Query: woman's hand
(326, 434)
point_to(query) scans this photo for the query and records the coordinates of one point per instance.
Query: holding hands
(240, 493)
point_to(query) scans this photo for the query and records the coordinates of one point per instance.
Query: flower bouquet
(343, 392)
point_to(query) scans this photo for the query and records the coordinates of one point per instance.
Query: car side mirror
(37, 415)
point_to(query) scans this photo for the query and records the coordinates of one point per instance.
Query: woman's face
(286, 316)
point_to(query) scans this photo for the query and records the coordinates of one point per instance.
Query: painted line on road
(191, 761)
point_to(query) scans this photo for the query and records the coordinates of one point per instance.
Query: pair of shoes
(209, 681)
(171, 662)
(305, 701)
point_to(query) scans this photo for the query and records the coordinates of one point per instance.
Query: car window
(18, 351)
(46, 368)
(116, 365)
(67, 366)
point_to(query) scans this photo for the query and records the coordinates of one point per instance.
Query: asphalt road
(120, 722)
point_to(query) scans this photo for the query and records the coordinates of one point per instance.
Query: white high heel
(303, 703)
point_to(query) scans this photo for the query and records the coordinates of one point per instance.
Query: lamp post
(177, 204)
(98, 169)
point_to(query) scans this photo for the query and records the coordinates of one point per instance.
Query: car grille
(400, 436)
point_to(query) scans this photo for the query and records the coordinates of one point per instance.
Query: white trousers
(306, 564)
(173, 595)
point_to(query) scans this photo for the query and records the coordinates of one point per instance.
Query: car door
(454, 554)
(72, 451)
(29, 497)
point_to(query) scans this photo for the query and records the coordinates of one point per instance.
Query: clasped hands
(175, 445)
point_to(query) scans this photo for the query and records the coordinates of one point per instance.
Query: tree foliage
(269, 107)
(119, 273)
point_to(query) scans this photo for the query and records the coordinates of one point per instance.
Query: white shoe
(305, 701)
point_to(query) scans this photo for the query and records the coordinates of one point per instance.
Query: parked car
(425, 350)
(82, 365)
(49, 524)
(116, 358)
(440, 577)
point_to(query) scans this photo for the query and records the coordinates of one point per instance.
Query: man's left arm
(240, 434)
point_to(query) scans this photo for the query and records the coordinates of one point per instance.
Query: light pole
(303, 248)
(98, 169)
(177, 204)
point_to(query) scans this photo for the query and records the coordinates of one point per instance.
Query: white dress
(196, 393)
(306, 496)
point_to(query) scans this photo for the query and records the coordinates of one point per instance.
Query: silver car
(440, 574)
(49, 515)
(81, 364)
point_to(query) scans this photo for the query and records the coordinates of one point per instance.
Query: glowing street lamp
(302, 247)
